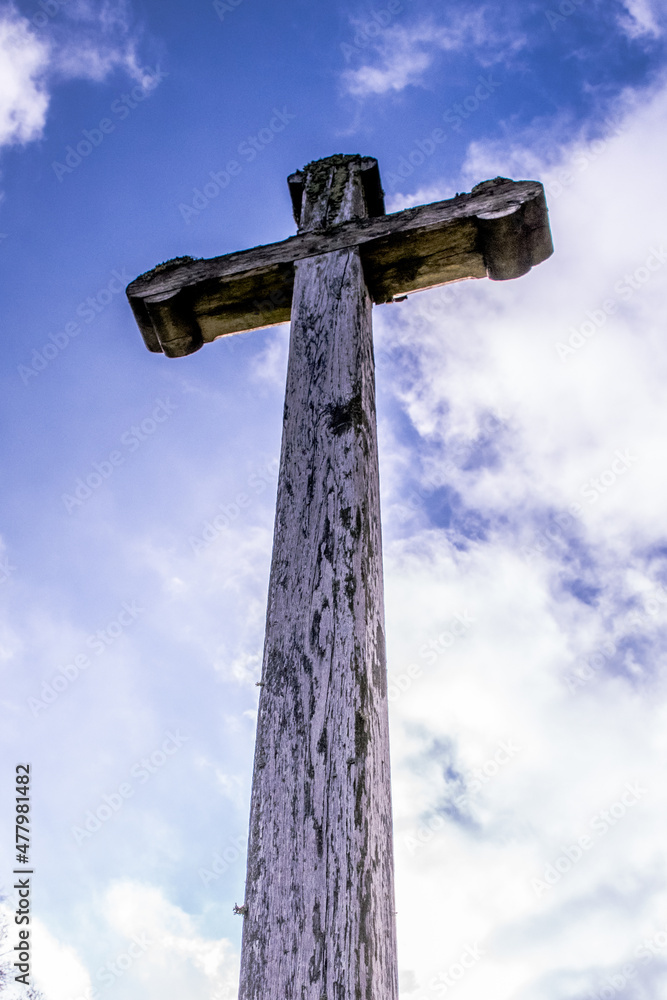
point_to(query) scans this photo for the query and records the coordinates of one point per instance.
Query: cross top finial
(335, 189)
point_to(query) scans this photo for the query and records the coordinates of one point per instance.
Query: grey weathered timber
(318, 912)
(320, 887)
(499, 230)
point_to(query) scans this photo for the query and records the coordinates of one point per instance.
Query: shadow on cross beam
(500, 230)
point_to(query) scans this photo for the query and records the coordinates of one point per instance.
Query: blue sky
(522, 429)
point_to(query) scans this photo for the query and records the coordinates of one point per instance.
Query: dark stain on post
(350, 590)
(325, 549)
(319, 838)
(361, 736)
(315, 631)
(318, 959)
(346, 416)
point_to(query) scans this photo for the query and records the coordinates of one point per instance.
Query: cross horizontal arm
(499, 230)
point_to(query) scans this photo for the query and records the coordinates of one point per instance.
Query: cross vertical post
(320, 883)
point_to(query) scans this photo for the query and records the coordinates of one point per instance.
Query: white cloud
(55, 967)
(58, 969)
(270, 365)
(96, 38)
(640, 19)
(24, 60)
(402, 64)
(177, 959)
(404, 54)
(145, 945)
(85, 41)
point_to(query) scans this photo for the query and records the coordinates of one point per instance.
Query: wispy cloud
(96, 39)
(640, 19)
(403, 54)
(86, 41)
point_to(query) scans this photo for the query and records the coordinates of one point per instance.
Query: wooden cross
(319, 921)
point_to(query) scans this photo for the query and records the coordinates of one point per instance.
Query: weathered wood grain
(499, 230)
(320, 921)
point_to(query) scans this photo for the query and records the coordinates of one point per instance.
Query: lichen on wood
(333, 192)
(166, 266)
(327, 180)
